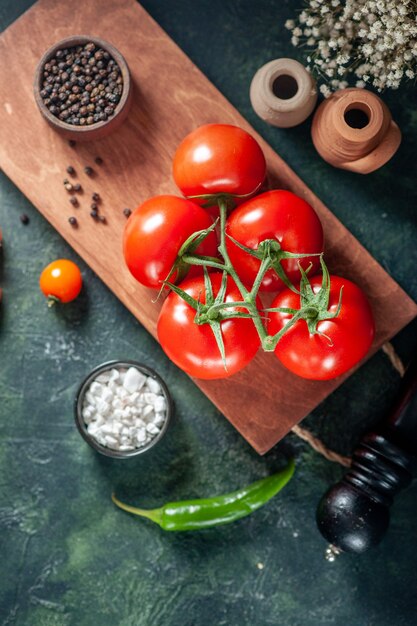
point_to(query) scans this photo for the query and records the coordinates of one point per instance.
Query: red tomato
(279, 215)
(219, 158)
(193, 347)
(155, 232)
(348, 336)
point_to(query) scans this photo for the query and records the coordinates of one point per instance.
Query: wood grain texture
(171, 97)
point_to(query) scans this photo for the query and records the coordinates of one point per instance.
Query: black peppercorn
(94, 214)
(70, 170)
(74, 201)
(77, 187)
(95, 197)
(73, 221)
(127, 212)
(24, 219)
(98, 160)
(88, 170)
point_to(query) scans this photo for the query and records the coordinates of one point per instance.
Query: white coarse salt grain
(90, 398)
(160, 404)
(152, 429)
(153, 385)
(124, 409)
(133, 380)
(121, 393)
(114, 375)
(149, 398)
(117, 403)
(103, 407)
(96, 388)
(103, 378)
(107, 395)
(141, 435)
(159, 419)
(147, 410)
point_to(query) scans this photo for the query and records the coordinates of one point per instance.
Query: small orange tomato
(61, 281)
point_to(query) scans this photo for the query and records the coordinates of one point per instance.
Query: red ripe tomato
(155, 232)
(279, 215)
(348, 336)
(193, 347)
(219, 158)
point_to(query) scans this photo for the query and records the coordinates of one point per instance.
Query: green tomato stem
(248, 296)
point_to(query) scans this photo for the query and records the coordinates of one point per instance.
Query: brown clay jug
(353, 130)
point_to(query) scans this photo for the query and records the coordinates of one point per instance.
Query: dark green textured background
(67, 556)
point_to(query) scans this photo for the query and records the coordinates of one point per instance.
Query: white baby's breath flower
(324, 89)
(373, 40)
(303, 17)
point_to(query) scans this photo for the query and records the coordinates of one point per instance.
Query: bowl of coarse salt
(123, 408)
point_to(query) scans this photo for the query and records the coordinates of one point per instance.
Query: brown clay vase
(353, 130)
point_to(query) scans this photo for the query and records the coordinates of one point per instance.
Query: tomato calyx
(229, 199)
(314, 308)
(214, 310)
(52, 300)
(270, 250)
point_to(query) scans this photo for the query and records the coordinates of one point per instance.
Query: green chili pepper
(209, 512)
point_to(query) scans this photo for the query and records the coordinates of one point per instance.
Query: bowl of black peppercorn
(83, 88)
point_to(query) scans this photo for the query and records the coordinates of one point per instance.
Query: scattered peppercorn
(102, 219)
(24, 219)
(77, 187)
(88, 170)
(70, 170)
(98, 159)
(94, 206)
(127, 212)
(95, 197)
(74, 201)
(73, 221)
(71, 142)
(94, 214)
(73, 81)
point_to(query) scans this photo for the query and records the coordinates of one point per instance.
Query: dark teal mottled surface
(68, 557)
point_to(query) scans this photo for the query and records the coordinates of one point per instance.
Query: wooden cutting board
(171, 98)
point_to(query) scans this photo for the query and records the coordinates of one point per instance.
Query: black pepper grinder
(353, 515)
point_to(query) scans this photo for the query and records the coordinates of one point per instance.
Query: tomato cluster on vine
(213, 321)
